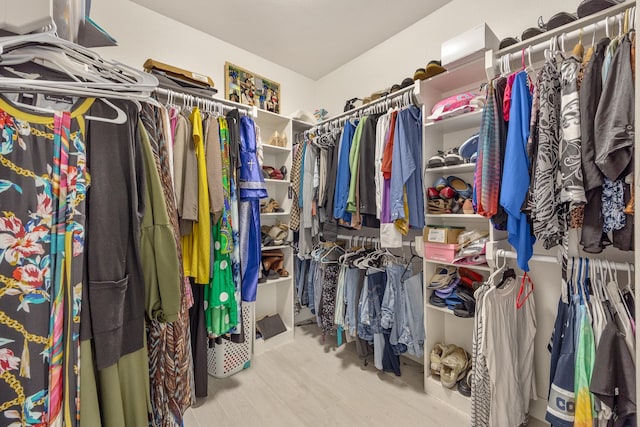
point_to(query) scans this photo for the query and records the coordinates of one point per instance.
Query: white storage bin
(468, 46)
(226, 359)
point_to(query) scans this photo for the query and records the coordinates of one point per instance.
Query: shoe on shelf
(463, 189)
(454, 367)
(469, 147)
(452, 157)
(270, 172)
(443, 276)
(271, 206)
(439, 351)
(436, 161)
(464, 385)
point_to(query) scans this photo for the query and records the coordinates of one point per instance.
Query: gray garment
(614, 122)
(185, 169)
(378, 350)
(367, 166)
(213, 156)
(572, 187)
(394, 273)
(114, 292)
(350, 287)
(590, 91)
(330, 225)
(310, 157)
(338, 316)
(413, 328)
(480, 379)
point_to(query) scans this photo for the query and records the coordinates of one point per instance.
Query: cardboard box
(468, 46)
(441, 234)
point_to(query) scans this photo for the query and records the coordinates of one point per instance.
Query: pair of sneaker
(451, 363)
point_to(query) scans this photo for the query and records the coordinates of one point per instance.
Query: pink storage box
(440, 251)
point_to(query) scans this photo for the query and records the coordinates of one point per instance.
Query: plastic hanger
(520, 300)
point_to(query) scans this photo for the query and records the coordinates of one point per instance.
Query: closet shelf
(272, 149)
(481, 267)
(446, 311)
(273, 120)
(453, 124)
(262, 345)
(274, 214)
(465, 167)
(454, 216)
(276, 281)
(451, 396)
(268, 248)
(277, 181)
(457, 78)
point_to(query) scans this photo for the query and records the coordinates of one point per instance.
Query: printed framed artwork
(251, 89)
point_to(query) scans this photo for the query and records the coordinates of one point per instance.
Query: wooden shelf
(481, 267)
(462, 168)
(455, 216)
(272, 149)
(453, 124)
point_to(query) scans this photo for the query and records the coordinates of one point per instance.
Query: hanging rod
(388, 97)
(199, 97)
(371, 239)
(570, 31)
(553, 260)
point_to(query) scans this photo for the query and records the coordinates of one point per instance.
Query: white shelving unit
(441, 325)
(277, 296)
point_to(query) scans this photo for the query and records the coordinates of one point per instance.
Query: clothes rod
(371, 239)
(590, 24)
(502, 253)
(185, 96)
(385, 98)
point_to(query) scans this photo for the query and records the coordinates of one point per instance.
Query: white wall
(142, 33)
(399, 56)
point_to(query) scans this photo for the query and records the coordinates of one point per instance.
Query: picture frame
(251, 89)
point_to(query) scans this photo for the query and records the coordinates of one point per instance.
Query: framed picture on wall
(249, 88)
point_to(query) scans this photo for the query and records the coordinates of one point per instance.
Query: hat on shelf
(589, 7)
(434, 68)
(303, 116)
(420, 74)
(394, 88)
(507, 41)
(407, 82)
(531, 32)
(558, 20)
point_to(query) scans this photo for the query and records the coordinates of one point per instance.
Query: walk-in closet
(302, 213)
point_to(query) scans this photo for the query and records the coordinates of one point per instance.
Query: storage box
(440, 252)
(441, 234)
(468, 46)
(227, 358)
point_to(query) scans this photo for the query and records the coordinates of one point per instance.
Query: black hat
(560, 19)
(589, 7)
(406, 82)
(508, 41)
(531, 32)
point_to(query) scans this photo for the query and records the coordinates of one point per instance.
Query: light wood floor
(311, 383)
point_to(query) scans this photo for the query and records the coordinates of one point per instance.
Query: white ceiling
(312, 37)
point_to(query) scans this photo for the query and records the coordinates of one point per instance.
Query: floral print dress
(43, 184)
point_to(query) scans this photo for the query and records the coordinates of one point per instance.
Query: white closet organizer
(277, 296)
(441, 325)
